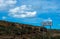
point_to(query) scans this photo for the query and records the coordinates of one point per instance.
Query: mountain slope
(24, 31)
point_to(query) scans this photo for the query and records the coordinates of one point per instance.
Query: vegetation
(26, 31)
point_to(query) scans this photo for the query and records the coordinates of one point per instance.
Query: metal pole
(50, 32)
(43, 32)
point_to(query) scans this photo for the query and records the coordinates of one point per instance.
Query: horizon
(31, 12)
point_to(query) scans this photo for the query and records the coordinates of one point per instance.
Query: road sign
(47, 22)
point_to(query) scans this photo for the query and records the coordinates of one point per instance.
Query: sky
(32, 12)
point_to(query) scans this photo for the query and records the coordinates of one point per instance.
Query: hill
(13, 30)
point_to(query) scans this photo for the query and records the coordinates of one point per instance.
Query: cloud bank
(44, 6)
(29, 8)
(4, 4)
(22, 11)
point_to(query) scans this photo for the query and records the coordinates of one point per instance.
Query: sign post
(47, 23)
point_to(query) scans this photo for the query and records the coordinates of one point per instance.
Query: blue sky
(31, 11)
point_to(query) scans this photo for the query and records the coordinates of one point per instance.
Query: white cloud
(49, 19)
(22, 12)
(44, 6)
(7, 3)
(4, 17)
(31, 13)
(49, 6)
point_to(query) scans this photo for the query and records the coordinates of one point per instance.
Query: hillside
(12, 30)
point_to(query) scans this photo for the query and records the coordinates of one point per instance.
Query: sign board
(47, 23)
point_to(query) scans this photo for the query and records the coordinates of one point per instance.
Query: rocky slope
(12, 30)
